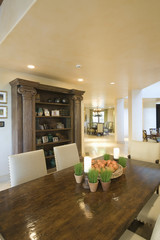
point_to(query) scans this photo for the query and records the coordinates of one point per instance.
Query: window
(98, 119)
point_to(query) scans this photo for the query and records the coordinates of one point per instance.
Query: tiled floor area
(94, 145)
(99, 145)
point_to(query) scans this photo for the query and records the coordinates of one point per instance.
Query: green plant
(122, 161)
(93, 175)
(106, 156)
(78, 169)
(105, 175)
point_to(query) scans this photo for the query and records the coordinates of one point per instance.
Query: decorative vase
(124, 170)
(93, 186)
(50, 137)
(40, 111)
(78, 178)
(64, 100)
(105, 185)
(57, 100)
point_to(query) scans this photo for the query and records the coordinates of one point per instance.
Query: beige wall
(5, 132)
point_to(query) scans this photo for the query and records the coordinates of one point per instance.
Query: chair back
(145, 135)
(99, 128)
(153, 131)
(145, 151)
(66, 156)
(26, 166)
(156, 230)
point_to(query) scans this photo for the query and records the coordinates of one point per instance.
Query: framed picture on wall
(3, 97)
(3, 112)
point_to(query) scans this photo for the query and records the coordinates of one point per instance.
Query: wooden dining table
(54, 207)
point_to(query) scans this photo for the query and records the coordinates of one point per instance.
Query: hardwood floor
(143, 230)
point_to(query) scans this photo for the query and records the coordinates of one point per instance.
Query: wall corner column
(77, 136)
(135, 115)
(28, 101)
(119, 121)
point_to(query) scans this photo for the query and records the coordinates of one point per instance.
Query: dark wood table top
(55, 207)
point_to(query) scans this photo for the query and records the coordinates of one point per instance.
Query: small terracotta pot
(105, 185)
(124, 170)
(93, 186)
(78, 178)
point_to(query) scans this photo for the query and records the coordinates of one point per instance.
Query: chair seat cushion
(150, 211)
(156, 230)
(128, 235)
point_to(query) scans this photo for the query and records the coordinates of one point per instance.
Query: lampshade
(87, 164)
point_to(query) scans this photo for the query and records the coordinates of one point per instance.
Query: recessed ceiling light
(31, 66)
(112, 83)
(78, 66)
(80, 80)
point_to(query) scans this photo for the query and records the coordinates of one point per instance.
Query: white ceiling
(113, 40)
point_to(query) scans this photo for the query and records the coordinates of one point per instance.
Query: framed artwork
(46, 112)
(55, 139)
(2, 124)
(3, 97)
(3, 112)
(45, 139)
(55, 112)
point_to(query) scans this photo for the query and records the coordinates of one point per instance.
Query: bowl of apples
(112, 165)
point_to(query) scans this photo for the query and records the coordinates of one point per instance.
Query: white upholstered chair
(26, 166)
(145, 151)
(150, 211)
(66, 156)
(149, 152)
(128, 235)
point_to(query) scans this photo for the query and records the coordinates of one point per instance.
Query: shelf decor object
(41, 120)
(3, 97)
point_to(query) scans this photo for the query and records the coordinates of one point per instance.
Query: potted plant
(93, 179)
(106, 156)
(123, 162)
(105, 176)
(78, 172)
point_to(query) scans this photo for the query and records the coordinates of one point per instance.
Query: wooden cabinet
(43, 117)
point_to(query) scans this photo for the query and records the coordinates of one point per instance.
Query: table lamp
(87, 166)
(116, 153)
